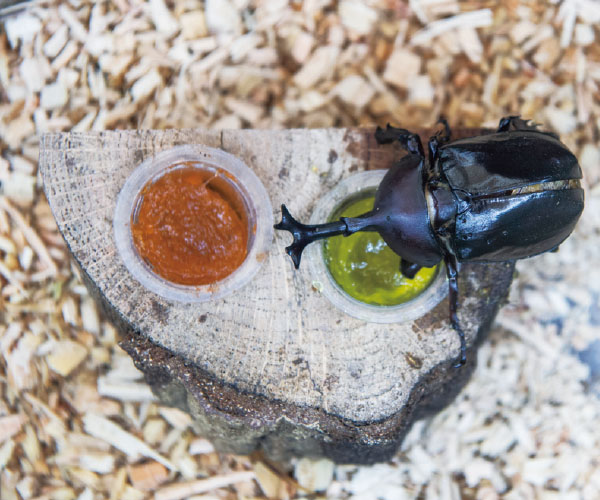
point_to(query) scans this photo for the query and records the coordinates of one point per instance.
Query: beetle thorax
(402, 213)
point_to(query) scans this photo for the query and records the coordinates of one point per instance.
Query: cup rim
(355, 185)
(241, 178)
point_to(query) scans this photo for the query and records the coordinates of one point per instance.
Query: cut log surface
(274, 365)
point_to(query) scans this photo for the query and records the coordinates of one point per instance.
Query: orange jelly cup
(190, 226)
(193, 223)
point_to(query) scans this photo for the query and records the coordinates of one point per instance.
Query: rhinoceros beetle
(506, 195)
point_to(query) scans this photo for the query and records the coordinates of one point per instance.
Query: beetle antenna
(305, 234)
(451, 267)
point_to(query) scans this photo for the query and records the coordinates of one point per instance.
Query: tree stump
(274, 366)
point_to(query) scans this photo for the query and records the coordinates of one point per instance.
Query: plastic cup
(364, 184)
(240, 178)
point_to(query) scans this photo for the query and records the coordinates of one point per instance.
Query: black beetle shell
(507, 228)
(496, 222)
(506, 160)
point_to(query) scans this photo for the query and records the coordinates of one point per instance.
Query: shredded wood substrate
(76, 419)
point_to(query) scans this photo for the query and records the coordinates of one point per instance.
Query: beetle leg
(507, 121)
(437, 140)
(409, 141)
(515, 122)
(446, 137)
(451, 268)
(409, 269)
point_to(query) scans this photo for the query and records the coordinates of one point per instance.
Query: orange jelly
(190, 226)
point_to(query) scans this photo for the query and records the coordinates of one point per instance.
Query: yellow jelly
(366, 268)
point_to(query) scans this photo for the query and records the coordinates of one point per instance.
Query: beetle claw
(447, 133)
(410, 142)
(461, 361)
(409, 269)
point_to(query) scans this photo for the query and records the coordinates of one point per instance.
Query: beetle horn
(304, 234)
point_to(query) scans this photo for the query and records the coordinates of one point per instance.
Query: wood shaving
(314, 475)
(475, 19)
(200, 447)
(402, 66)
(11, 425)
(65, 356)
(320, 65)
(271, 483)
(186, 490)
(357, 17)
(124, 391)
(148, 476)
(102, 428)
(175, 417)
